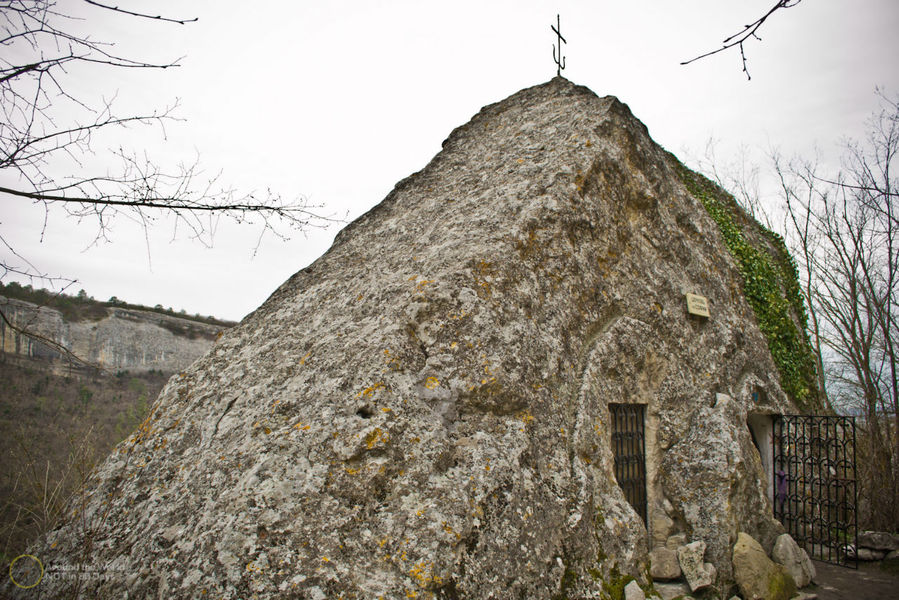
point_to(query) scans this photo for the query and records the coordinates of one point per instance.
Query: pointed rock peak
(436, 407)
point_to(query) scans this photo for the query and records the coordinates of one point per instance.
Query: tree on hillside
(48, 131)
(843, 231)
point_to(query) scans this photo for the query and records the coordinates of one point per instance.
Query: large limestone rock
(424, 410)
(794, 559)
(758, 577)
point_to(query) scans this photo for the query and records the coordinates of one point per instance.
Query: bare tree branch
(49, 138)
(748, 32)
(146, 16)
(861, 188)
(166, 203)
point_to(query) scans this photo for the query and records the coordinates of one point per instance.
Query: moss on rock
(770, 284)
(781, 586)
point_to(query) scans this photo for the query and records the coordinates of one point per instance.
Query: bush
(85, 395)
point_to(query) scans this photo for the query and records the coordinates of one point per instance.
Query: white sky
(338, 100)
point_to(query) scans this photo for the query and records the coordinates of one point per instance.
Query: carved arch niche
(622, 373)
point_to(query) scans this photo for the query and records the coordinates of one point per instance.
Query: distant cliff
(111, 338)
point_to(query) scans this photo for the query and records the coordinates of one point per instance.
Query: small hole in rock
(365, 412)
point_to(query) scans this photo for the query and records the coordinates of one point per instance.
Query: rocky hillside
(59, 417)
(109, 337)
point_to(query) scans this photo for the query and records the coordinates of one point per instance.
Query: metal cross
(560, 60)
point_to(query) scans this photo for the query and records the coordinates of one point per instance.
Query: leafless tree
(739, 176)
(844, 231)
(749, 32)
(49, 131)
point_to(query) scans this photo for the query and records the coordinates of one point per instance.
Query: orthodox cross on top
(559, 60)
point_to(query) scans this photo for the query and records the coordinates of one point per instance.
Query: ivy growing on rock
(770, 285)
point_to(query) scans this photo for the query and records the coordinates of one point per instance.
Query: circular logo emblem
(31, 570)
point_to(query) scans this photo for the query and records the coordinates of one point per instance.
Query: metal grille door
(814, 484)
(628, 446)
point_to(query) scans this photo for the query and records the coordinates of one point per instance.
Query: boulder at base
(794, 559)
(878, 540)
(425, 410)
(758, 577)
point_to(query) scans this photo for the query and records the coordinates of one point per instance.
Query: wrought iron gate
(629, 449)
(814, 484)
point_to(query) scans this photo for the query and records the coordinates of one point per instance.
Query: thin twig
(748, 31)
(145, 16)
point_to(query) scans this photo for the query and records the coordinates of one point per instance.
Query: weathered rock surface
(757, 576)
(424, 410)
(705, 507)
(668, 591)
(663, 564)
(632, 591)
(794, 559)
(867, 554)
(126, 339)
(696, 571)
(676, 541)
(710, 574)
(661, 525)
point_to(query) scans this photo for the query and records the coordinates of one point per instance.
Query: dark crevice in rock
(447, 591)
(471, 541)
(227, 408)
(412, 330)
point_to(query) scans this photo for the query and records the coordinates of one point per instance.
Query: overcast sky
(336, 101)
